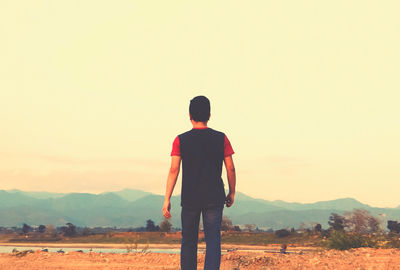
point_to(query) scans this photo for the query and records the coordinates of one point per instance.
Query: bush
(165, 225)
(393, 226)
(226, 224)
(342, 241)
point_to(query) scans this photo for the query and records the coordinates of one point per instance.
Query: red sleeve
(176, 148)
(228, 150)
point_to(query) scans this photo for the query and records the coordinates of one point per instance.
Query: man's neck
(199, 124)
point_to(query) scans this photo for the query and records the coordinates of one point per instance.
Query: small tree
(393, 226)
(165, 225)
(318, 228)
(236, 228)
(42, 228)
(336, 222)
(250, 227)
(361, 221)
(51, 230)
(69, 230)
(26, 228)
(374, 224)
(150, 227)
(226, 224)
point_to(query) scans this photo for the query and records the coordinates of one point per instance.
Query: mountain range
(131, 208)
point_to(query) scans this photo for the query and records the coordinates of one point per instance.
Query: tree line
(70, 230)
(357, 221)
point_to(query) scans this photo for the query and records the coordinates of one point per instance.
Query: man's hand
(229, 199)
(171, 181)
(230, 171)
(166, 209)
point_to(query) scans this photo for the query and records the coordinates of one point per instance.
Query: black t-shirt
(202, 154)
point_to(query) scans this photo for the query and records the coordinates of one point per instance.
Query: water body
(8, 249)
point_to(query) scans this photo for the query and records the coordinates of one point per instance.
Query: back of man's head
(199, 109)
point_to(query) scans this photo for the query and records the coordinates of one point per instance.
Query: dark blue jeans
(212, 219)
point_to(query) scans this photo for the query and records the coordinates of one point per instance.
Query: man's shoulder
(185, 133)
(217, 132)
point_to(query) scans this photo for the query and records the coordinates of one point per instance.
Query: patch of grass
(343, 241)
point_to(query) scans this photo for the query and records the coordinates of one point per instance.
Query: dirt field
(362, 258)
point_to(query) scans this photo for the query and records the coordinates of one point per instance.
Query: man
(202, 151)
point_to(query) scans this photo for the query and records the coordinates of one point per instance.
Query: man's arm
(171, 181)
(231, 174)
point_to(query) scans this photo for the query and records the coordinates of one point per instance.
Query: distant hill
(37, 194)
(130, 194)
(10, 199)
(346, 204)
(131, 208)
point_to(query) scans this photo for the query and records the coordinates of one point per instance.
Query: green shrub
(342, 241)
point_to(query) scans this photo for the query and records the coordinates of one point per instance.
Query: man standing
(202, 151)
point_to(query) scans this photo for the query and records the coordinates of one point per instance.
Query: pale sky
(92, 94)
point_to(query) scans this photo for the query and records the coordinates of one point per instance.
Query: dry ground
(362, 258)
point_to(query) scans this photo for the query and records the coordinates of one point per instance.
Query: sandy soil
(362, 258)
